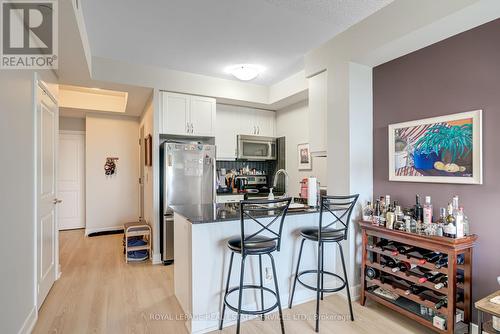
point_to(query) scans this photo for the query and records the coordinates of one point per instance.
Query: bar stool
(340, 207)
(261, 238)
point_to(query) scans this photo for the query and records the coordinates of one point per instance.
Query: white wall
(111, 201)
(293, 123)
(17, 199)
(71, 124)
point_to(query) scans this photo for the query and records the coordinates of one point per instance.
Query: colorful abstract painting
(444, 149)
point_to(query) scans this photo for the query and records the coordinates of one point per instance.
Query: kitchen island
(202, 261)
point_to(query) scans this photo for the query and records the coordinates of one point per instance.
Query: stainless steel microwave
(256, 148)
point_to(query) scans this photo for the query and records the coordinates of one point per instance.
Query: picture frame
(148, 145)
(304, 157)
(444, 149)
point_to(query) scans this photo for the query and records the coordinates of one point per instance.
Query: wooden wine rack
(452, 247)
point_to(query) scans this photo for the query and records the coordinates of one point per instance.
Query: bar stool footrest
(251, 312)
(314, 288)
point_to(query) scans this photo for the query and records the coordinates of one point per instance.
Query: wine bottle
(371, 273)
(441, 282)
(460, 258)
(415, 289)
(432, 257)
(430, 277)
(442, 262)
(388, 261)
(403, 267)
(404, 249)
(443, 302)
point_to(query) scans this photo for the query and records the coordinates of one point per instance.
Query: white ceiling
(205, 36)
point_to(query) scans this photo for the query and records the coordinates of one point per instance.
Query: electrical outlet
(269, 274)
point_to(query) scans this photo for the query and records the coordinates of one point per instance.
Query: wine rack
(390, 280)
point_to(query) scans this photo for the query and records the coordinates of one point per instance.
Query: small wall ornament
(110, 166)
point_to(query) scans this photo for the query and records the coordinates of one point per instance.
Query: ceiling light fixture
(245, 72)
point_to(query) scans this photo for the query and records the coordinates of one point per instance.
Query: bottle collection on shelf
(452, 222)
(422, 282)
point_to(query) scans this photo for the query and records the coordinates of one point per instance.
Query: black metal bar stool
(340, 209)
(263, 239)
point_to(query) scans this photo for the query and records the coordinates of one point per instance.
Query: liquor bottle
(383, 211)
(388, 261)
(371, 273)
(427, 210)
(466, 224)
(441, 223)
(399, 215)
(377, 213)
(460, 223)
(418, 210)
(390, 217)
(450, 229)
(368, 211)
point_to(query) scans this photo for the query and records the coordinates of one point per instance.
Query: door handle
(57, 201)
(192, 128)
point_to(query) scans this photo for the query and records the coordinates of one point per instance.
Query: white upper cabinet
(174, 113)
(265, 123)
(183, 114)
(234, 120)
(202, 116)
(226, 130)
(318, 114)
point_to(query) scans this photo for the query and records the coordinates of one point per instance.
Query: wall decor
(304, 156)
(445, 149)
(110, 166)
(148, 150)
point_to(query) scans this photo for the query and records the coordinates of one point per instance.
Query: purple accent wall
(461, 73)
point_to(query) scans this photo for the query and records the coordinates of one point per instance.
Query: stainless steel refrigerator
(188, 176)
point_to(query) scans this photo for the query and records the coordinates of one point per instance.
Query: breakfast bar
(202, 261)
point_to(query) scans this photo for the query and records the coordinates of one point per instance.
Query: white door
(141, 171)
(71, 180)
(175, 114)
(47, 116)
(264, 121)
(202, 116)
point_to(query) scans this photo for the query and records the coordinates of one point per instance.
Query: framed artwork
(445, 149)
(148, 158)
(304, 155)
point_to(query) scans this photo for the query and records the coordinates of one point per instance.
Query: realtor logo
(29, 34)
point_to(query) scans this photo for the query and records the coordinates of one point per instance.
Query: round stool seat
(328, 234)
(258, 245)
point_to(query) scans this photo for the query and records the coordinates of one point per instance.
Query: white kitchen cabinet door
(265, 122)
(246, 121)
(202, 116)
(318, 114)
(174, 113)
(226, 130)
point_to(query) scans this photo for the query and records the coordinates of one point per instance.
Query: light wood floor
(99, 293)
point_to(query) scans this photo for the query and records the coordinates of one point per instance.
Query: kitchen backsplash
(269, 167)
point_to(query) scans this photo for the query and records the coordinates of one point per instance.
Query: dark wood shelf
(451, 247)
(405, 312)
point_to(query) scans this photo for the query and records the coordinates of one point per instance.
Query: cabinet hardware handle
(57, 201)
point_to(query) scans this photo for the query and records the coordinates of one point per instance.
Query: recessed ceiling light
(245, 72)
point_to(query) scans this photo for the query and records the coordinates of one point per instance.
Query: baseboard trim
(29, 322)
(156, 258)
(103, 229)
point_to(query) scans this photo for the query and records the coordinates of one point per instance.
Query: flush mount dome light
(245, 72)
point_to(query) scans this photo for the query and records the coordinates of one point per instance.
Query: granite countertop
(212, 213)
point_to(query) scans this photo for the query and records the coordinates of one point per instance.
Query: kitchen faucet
(275, 182)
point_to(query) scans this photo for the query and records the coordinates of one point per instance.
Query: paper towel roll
(312, 191)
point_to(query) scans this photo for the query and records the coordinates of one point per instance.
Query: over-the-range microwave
(256, 148)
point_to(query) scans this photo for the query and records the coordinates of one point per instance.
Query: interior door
(202, 116)
(141, 171)
(71, 181)
(47, 126)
